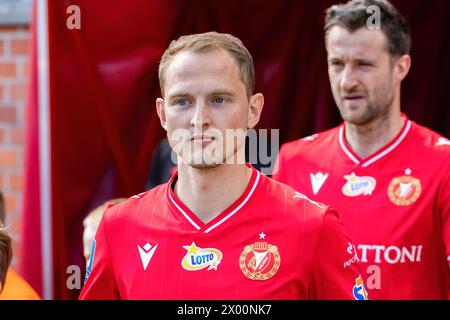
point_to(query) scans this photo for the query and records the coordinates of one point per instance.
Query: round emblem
(404, 190)
(260, 261)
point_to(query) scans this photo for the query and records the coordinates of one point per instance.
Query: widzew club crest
(260, 261)
(404, 190)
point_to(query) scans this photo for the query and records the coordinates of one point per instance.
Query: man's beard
(378, 108)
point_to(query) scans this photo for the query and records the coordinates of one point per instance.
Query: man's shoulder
(431, 142)
(311, 144)
(293, 203)
(130, 207)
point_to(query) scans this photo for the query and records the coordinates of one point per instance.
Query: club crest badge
(260, 261)
(356, 186)
(404, 190)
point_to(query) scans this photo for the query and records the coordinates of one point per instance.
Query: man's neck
(208, 192)
(367, 139)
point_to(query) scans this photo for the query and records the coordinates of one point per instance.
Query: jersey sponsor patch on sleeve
(359, 290)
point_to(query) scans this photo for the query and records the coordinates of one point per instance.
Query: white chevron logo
(146, 254)
(317, 181)
(443, 142)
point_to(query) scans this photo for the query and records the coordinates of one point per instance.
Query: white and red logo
(317, 181)
(404, 190)
(146, 253)
(353, 253)
(260, 260)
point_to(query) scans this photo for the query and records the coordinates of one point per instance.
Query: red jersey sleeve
(336, 274)
(444, 211)
(279, 168)
(100, 283)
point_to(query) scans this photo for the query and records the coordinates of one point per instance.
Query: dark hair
(353, 15)
(5, 254)
(5, 244)
(208, 41)
(2, 209)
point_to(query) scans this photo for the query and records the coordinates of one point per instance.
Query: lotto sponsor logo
(356, 186)
(200, 258)
(390, 254)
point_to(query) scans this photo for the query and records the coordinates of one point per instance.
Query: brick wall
(14, 68)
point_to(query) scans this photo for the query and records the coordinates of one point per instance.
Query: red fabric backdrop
(103, 81)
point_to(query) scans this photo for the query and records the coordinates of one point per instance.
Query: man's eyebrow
(364, 60)
(358, 60)
(334, 59)
(221, 92)
(180, 94)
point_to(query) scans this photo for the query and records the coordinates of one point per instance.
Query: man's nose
(348, 80)
(201, 115)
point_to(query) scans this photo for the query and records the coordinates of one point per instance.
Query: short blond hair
(95, 216)
(205, 42)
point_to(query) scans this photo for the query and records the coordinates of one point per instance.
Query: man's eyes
(181, 102)
(359, 63)
(186, 101)
(219, 100)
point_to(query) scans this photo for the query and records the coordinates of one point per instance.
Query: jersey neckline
(193, 220)
(382, 152)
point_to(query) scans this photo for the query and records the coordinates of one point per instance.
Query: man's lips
(353, 97)
(202, 138)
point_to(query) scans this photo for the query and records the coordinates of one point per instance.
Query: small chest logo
(146, 254)
(259, 261)
(198, 258)
(317, 181)
(356, 186)
(404, 190)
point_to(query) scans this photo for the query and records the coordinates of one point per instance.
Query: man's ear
(401, 67)
(255, 109)
(161, 112)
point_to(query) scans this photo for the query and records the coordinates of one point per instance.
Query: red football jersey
(395, 204)
(271, 243)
